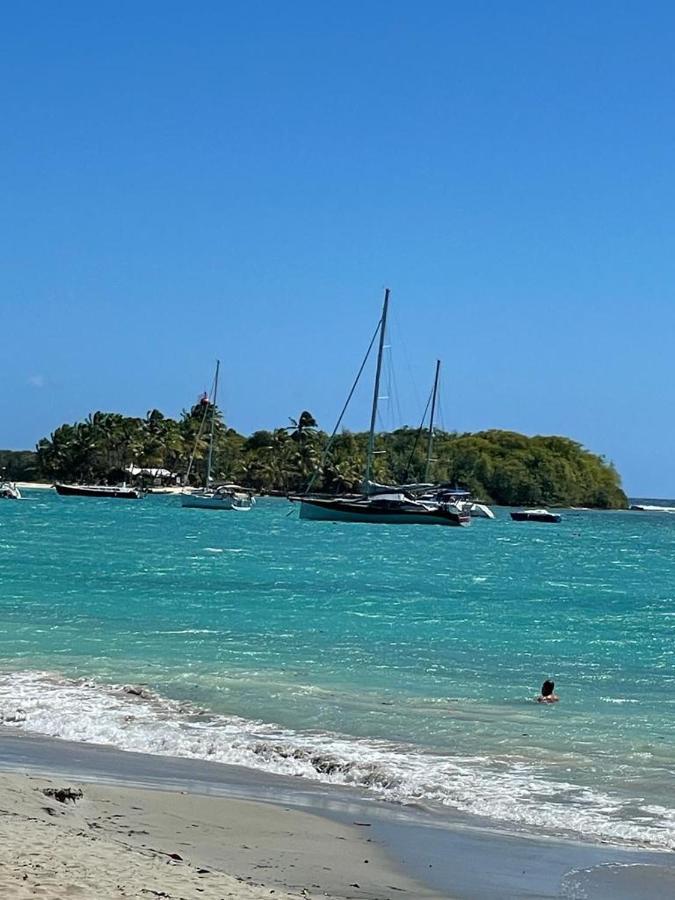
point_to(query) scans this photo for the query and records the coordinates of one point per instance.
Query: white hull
(480, 510)
(9, 491)
(214, 501)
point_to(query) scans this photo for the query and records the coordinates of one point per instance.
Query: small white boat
(224, 497)
(462, 499)
(9, 491)
(479, 510)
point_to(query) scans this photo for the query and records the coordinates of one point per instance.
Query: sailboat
(225, 496)
(114, 492)
(379, 504)
(444, 493)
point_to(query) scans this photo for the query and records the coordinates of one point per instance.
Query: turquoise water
(400, 659)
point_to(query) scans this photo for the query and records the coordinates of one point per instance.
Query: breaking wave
(512, 792)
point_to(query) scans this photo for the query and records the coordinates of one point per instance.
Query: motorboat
(459, 497)
(465, 501)
(536, 515)
(9, 491)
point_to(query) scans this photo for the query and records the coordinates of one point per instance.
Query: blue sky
(182, 182)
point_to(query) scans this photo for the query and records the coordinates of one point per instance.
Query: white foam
(506, 790)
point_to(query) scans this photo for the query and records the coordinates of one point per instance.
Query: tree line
(501, 467)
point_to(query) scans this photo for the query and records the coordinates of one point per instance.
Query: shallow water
(400, 659)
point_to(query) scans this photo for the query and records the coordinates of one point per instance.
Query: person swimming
(547, 695)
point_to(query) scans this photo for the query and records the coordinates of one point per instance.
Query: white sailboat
(380, 504)
(224, 496)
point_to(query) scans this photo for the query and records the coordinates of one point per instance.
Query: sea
(402, 661)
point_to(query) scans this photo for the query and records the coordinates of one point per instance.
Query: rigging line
(385, 418)
(344, 409)
(400, 342)
(408, 465)
(441, 417)
(384, 415)
(395, 394)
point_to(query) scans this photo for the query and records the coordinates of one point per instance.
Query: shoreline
(409, 852)
(63, 837)
(173, 490)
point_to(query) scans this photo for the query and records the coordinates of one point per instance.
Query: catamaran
(379, 504)
(224, 496)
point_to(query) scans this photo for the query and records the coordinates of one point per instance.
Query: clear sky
(181, 182)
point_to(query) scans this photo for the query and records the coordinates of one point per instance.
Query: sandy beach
(62, 838)
(181, 829)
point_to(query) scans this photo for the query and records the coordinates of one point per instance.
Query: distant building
(153, 476)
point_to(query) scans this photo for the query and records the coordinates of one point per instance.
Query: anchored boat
(120, 492)
(381, 509)
(9, 491)
(536, 515)
(379, 504)
(226, 496)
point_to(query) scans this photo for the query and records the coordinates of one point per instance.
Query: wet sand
(246, 834)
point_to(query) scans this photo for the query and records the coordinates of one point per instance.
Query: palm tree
(303, 427)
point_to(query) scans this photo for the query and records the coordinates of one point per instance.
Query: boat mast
(430, 442)
(213, 424)
(376, 392)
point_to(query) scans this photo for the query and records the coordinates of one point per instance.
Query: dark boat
(98, 490)
(379, 504)
(535, 515)
(381, 509)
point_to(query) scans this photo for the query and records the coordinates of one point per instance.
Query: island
(500, 467)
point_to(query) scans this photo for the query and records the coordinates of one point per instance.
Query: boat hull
(549, 518)
(197, 501)
(344, 511)
(480, 511)
(101, 491)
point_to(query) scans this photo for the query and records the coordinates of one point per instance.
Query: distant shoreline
(44, 486)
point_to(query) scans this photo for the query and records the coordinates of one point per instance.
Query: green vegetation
(497, 466)
(18, 465)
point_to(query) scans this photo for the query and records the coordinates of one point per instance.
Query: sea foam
(512, 792)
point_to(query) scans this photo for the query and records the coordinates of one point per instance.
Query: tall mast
(376, 392)
(213, 424)
(430, 442)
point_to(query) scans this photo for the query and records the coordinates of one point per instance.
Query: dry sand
(125, 842)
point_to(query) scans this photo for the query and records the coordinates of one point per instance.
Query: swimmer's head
(547, 688)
